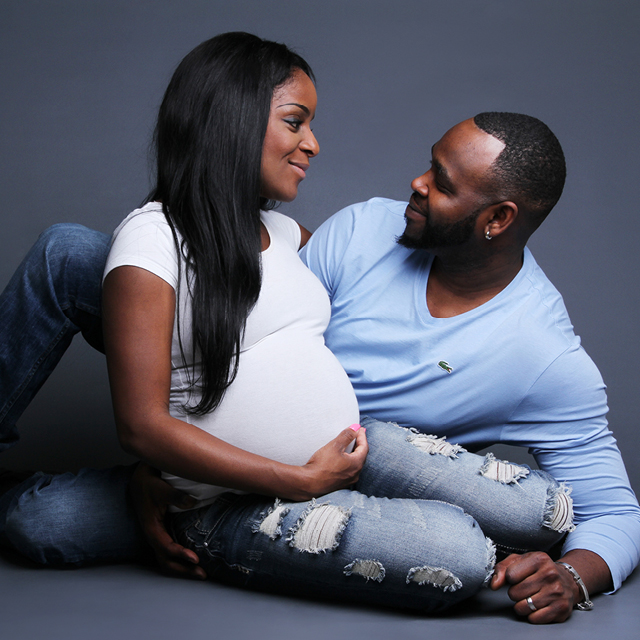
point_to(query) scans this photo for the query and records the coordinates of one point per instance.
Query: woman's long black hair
(208, 142)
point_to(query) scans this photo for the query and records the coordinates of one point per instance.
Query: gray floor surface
(129, 601)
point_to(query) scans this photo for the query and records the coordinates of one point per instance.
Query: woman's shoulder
(144, 239)
(148, 216)
(146, 225)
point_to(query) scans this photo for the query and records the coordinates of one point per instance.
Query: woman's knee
(38, 525)
(74, 519)
(69, 247)
(65, 267)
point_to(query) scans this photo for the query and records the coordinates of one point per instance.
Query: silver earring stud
(488, 235)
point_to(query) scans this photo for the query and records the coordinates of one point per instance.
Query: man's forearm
(592, 569)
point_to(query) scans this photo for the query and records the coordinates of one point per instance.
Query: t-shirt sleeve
(284, 227)
(325, 251)
(145, 240)
(562, 421)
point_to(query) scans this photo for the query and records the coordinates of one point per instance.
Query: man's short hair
(530, 169)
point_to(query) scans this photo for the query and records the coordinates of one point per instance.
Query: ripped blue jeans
(417, 531)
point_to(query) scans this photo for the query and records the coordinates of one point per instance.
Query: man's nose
(420, 185)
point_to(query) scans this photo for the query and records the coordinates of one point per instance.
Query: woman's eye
(294, 123)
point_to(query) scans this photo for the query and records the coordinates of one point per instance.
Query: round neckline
(421, 292)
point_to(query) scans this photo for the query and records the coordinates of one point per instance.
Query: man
(455, 331)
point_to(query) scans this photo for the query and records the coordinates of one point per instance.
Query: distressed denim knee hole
(502, 471)
(271, 524)
(435, 577)
(433, 445)
(319, 528)
(559, 509)
(368, 569)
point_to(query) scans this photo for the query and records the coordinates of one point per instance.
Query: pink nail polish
(354, 427)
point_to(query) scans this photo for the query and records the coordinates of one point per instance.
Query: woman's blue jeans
(55, 293)
(411, 533)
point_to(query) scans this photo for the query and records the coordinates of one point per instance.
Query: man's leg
(519, 508)
(55, 293)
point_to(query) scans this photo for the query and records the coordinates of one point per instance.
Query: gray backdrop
(81, 82)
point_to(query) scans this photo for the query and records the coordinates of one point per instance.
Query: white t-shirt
(291, 396)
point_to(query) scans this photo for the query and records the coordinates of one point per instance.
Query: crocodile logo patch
(445, 366)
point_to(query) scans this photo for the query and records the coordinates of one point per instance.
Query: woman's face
(289, 142)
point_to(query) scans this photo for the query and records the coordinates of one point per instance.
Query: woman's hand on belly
(332, 467)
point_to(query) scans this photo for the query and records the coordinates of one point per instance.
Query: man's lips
(300, 167)
(413, 211)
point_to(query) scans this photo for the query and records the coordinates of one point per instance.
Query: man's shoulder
(548, 299)
(379, 204)
(381, 208)
(373, 222)
(355, 239)
(534, 323)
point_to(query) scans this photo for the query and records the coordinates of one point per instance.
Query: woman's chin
(282, 196)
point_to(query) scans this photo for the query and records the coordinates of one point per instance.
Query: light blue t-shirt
(511, 371)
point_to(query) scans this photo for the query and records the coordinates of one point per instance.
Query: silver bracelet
(586, 604)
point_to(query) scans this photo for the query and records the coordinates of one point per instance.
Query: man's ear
(500, 217)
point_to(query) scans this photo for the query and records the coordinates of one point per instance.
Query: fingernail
(354, 427)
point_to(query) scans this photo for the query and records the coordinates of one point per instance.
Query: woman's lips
(300, 168)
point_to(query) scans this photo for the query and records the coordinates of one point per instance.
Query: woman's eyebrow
(295, 104)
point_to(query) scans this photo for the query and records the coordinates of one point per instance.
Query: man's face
(448, 199)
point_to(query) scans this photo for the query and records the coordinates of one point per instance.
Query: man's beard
(436, 236)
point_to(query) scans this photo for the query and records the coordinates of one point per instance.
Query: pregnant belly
(288, 400)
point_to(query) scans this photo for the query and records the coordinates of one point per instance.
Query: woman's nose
(310, 144)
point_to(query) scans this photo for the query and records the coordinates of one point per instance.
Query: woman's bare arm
(138, 317)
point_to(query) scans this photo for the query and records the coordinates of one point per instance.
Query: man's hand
(550, 587)
(151, 497)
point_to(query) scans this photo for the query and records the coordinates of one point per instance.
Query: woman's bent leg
(55, 293)
(402, 553)
(519, 508)
(72, 518)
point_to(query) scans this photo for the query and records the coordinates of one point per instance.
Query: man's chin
(410, 242)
